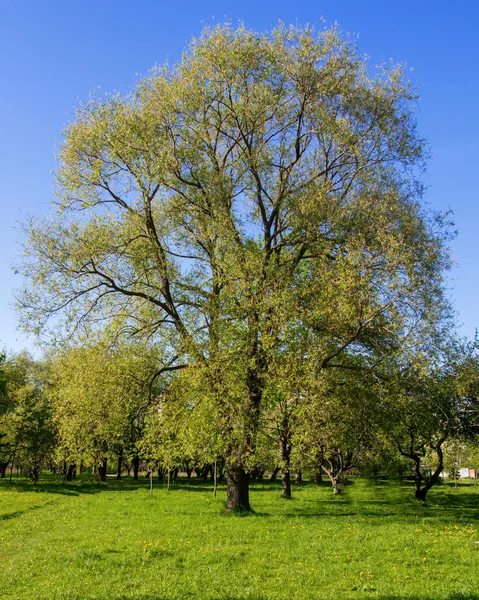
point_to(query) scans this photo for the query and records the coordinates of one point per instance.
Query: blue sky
(54, 53)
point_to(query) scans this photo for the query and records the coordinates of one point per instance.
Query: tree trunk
(421, 493)
(337, 483)
(299, 478)
(318, 477)
(3, 469)
(237, 496)
(418, 492)
(274, 474)
(433, 479)
(136, 467)
(286, 484)
(102, 470)
(286, 467)
(71, 469)
(120, 463)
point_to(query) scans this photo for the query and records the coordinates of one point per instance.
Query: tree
(27, 431)
(264, 186)
(99, 395)
(432, 399)
(4, 405)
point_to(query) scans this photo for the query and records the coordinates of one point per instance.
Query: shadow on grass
(389, 499)
(225, 596)
(19, 513)
(220, 597)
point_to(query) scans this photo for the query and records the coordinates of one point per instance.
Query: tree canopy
(252, 210)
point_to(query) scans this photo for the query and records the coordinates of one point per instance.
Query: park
(114, 541)
(250, 380)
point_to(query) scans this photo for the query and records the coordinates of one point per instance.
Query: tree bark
(120, 464)
(136, 467)
(337, 483)
(414, 455)
(102, 470)
(3, 469)
(237, 496)
(318, 477)
(286, 466)
(71, 470)
(274, 474)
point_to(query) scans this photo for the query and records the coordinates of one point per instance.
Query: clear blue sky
(53, 53)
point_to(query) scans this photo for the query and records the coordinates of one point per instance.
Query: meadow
(112, 541)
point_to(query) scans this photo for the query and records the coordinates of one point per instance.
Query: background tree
(433, 399)
(27, 431)
(99, 395)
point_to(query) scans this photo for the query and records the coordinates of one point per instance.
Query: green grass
(113, 542)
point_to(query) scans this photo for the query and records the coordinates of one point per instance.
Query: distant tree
(99, 395)
(432, 400)
(27, 431)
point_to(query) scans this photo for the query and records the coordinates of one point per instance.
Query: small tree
(433, 399)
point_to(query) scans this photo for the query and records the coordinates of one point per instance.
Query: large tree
(260, 191)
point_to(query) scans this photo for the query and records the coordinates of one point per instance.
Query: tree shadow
(390, 499)
(19, 513)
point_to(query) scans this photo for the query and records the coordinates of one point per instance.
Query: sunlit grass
(114, 542)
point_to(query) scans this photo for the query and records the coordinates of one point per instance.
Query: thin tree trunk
(216, 480)
(286, 468)
(120, 464)
(151, 482)
(274, 474)
(11, 464)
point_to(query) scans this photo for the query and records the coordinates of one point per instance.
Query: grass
(85, 541)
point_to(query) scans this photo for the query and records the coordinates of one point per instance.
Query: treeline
(91, 406)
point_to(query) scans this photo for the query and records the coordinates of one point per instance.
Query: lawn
(112, 541)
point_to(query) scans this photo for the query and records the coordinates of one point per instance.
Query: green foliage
(27, 431)
(99, 394)
(255, 213)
